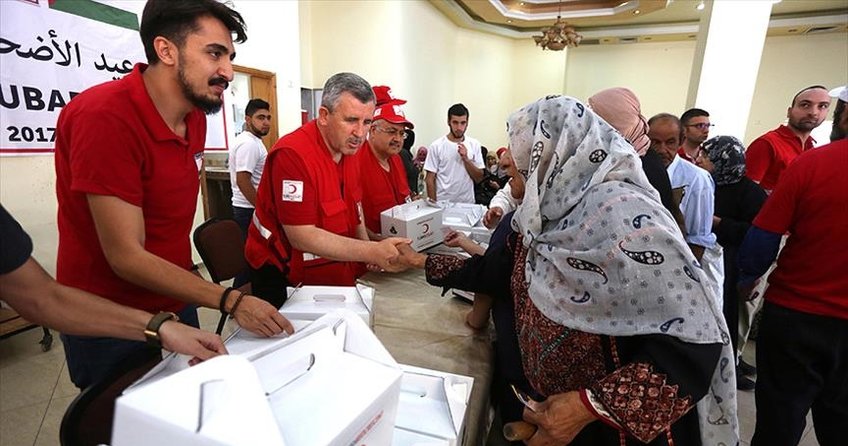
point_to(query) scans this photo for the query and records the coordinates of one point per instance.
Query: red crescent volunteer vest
(336, 213)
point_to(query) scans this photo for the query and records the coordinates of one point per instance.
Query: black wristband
(238, 301)
(151, 332)
(223, 304)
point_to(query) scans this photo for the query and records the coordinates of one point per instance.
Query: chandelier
(558, 36)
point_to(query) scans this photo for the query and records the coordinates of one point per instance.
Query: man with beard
(308, 227)
(802, 345)
(696, 130)
(247, 159)
(383, 174)
(769, 155)
(128, 156)
(454, 162)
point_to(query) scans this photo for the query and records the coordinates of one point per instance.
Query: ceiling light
(558, 36)
(700, 6)
(509, 21)
(637, 12)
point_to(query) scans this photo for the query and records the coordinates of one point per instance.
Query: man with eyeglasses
(696, 130)
(308, 226)
(383, 176)
(769, 155)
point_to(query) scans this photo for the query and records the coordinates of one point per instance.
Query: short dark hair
(811, 87)
(175, 19)
(255, 105)
(346, 83)
(692, 113)
(457, 110)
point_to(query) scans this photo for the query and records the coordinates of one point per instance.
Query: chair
(89, 418)
(220, 243)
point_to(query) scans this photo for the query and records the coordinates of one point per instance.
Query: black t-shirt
(15, 244)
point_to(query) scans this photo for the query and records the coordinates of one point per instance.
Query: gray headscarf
(728, 157)
(604, 256)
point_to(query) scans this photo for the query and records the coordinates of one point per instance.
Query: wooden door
(263, 85)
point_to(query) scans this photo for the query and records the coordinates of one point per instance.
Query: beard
(804, 125)
(257, 131)
(209, 105)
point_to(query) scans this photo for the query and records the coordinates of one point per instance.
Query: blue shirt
(698, 200)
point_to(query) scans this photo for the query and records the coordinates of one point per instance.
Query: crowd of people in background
(628, 258)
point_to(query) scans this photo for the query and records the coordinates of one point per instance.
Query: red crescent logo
(292, 189)
(426, 228)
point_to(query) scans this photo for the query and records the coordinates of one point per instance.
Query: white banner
(52, 50)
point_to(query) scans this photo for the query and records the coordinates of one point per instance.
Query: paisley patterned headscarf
(604, 255)
(728, 157)
(621, 109)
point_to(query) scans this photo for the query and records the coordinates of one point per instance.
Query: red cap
(501, 151)
(383, 95)
(392, 113)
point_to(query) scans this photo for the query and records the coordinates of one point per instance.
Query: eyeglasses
(391, 132)
(701, 126)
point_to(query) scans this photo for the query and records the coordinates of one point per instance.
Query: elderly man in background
(308, 227)
(769, 155)
(383, 175)
(698, 200)
(454, 162)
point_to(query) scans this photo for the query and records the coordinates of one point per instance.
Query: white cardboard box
(311, 302)
(462, 216)
(218, 402)
(331, 383)
(417, 220)
(432, 408)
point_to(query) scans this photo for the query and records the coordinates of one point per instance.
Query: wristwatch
(151, 332)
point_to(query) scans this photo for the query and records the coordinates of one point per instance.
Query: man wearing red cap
(384, 182)
(308, 226)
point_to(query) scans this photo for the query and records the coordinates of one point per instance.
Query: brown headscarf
(620, 108)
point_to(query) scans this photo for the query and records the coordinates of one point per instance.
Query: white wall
(789, 64)
(429, 61)
(658, 73)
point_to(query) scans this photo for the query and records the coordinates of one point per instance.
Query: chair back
(220, 243)
(89, 418)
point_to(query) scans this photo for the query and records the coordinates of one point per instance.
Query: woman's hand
(559, 419)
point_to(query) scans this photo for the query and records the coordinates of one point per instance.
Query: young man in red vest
(128, 157)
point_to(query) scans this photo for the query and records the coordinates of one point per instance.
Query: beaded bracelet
(238, 301)
(222, 304)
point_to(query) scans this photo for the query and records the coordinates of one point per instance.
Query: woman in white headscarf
(612, 317)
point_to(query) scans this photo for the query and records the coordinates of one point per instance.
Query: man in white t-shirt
(454, 162)
(247, 160)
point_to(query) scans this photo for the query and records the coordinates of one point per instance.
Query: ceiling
(624, 21)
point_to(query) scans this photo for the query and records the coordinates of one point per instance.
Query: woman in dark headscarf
(612, 317)
(737, 202)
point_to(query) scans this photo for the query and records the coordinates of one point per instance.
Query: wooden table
(420, 327)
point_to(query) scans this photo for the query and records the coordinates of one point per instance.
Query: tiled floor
(35, 390)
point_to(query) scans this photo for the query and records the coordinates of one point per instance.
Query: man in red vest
(384, 182)
(308, 227)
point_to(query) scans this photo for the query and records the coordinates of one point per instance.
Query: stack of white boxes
(330, 383)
